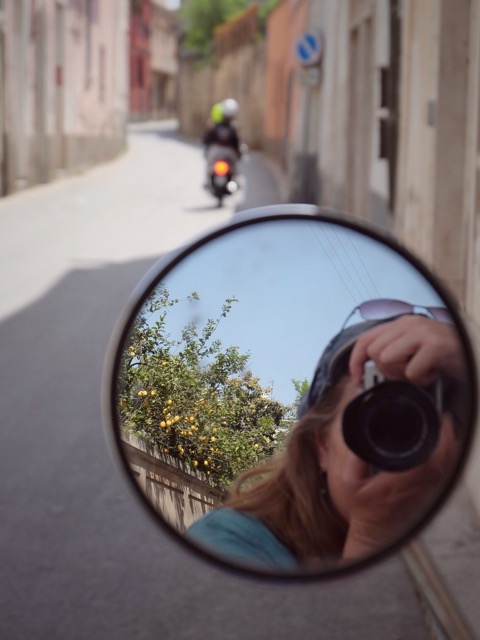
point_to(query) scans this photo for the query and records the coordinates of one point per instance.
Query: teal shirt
(242, 538)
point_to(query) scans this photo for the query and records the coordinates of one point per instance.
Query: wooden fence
(178, 493)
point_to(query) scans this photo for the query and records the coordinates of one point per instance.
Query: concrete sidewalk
(452, 542)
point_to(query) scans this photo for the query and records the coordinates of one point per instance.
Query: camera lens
(393, 426)
(398, 429)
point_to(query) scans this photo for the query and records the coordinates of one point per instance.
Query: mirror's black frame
(166, 264)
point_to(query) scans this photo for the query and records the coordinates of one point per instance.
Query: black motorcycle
(222, 170)
(222, 179)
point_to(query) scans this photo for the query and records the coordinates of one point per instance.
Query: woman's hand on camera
(386, 505)
(411, 348)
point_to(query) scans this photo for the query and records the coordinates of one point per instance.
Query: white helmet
(229, 108)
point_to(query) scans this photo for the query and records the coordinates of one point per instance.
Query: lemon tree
(193, 398)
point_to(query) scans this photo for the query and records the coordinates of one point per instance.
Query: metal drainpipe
(19, 96)
(3, 140)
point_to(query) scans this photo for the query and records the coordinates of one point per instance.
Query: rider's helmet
(216, 113)
(229, 109)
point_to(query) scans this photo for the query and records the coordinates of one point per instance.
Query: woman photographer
(318, 504)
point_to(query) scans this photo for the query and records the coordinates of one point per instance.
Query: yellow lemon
(153, 392)
(169, 402)
(169, 423)
(163, 423)
(195, 463)
(205, 462)
(176, 418)
(213, 439)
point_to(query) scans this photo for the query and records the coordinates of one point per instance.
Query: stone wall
(240, 75)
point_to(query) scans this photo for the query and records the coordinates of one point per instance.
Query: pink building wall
(64, 84)
(140, 64)
(285, 24)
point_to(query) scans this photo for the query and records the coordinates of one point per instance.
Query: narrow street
(139, 206)
(82, 558)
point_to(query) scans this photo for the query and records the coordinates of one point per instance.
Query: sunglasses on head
(382, 309)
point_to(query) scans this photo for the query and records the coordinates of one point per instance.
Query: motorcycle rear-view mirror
(230, 382)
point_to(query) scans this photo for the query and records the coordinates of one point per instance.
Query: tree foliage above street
(194, 399)
(201, 17)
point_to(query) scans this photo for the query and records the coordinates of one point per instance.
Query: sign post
(309, 51)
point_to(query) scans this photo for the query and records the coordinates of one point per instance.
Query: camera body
(393, 425)
(372, 376)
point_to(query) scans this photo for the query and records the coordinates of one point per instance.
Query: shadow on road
(202, 208)
(72, 534)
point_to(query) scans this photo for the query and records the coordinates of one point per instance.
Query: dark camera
(393, 425)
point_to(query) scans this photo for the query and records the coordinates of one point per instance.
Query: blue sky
(296, 282)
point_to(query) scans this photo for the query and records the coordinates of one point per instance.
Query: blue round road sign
(309, 48)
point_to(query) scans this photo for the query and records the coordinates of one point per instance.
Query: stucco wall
(282, 88)
(345, 108)
(65, 91)
(238, 75)
(196, 97)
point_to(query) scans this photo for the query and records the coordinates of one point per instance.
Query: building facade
(153, 55)
(389, 129)
(164, 61)
(63, 87)
(141, 15)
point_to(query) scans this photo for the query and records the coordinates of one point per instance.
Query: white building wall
(331, 103)
(62, 109)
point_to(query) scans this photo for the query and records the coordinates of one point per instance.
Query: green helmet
(216, 113)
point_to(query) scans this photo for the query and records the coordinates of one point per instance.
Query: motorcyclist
(221, 139)
(223, 132)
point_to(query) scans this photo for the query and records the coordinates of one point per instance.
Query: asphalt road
(79, 557)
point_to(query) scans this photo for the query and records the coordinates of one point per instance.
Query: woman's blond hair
(288, 492)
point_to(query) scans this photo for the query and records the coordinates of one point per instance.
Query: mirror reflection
(292, 396)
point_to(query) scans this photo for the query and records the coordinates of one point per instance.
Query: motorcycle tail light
(221, 168)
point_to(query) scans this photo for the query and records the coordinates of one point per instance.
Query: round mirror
(292, 395)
